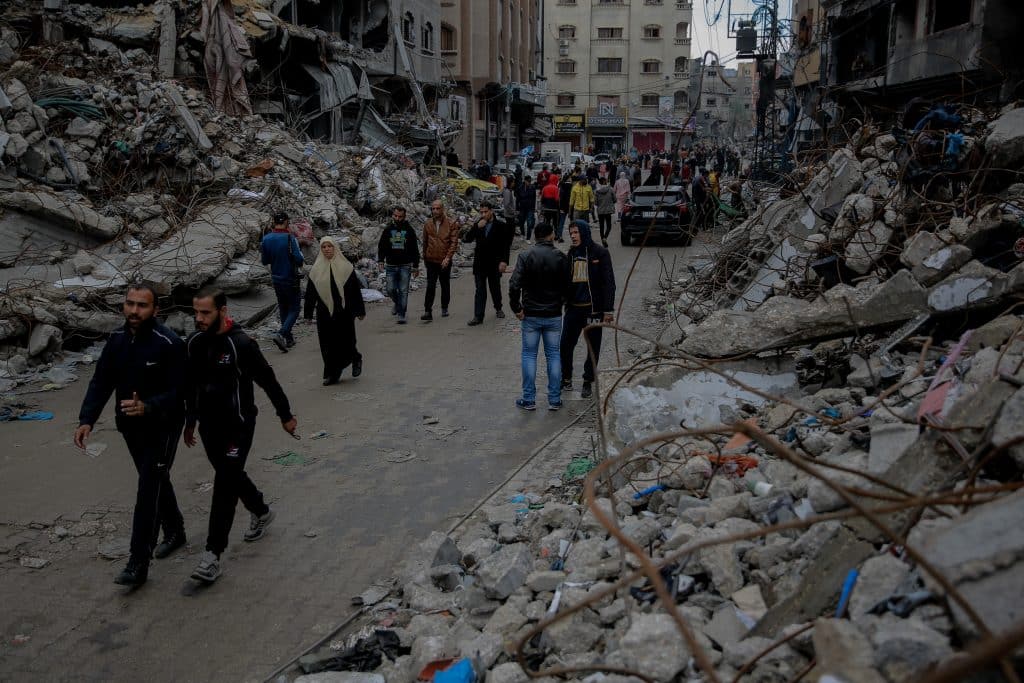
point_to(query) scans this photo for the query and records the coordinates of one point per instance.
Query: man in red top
(549, 200)
(542, 177)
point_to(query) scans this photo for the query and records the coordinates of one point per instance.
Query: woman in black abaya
(333, 292)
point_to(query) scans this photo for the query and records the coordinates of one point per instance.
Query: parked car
(581, 158)
(471, 188)
(602, 158)
(663, 209)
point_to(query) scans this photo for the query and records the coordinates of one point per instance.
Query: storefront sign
(569, 123)
(606, 116)
(543, 126)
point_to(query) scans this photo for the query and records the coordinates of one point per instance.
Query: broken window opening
(946, 15)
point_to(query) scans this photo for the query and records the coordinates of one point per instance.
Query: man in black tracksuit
(493, 238)
(591, 300)
(143, 365)
(223, 364)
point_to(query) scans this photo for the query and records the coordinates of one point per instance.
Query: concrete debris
(125, 173)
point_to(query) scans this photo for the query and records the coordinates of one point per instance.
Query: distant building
(618, 72)
(491, 51)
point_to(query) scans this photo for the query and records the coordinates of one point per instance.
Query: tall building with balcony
(491, 51)
(617, 72)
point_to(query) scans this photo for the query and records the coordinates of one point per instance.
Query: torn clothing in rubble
(225, 53)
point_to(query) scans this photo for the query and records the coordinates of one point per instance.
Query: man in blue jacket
(143, 365)
(591, 299)
(280, 250)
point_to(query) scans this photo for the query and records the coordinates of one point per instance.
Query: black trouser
(576, 318)
(492, 281)
(605, 221)
(434, 273)
(227, 450)
(155, 503)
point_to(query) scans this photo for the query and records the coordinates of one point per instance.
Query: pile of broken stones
(898, 389)
(110, 174)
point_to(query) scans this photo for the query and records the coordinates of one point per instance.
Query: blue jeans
(289, 303)
(560, 228)
(551, 330)
(398, 286)
(527, 221)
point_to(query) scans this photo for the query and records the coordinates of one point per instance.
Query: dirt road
(349, 505)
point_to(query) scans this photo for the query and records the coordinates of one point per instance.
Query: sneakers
(208, 569)
(555, 406)
(394, 310)
(427, 317)
(499, 313)
(258, 526)
(135, 574)
(444, 312)
(475, 321)
(169, 545)
(333, 379)
(566, 385)
(290, 343)
(525, 405)
(281, 342)
(401, 318)
(587, 390)
(357, 367)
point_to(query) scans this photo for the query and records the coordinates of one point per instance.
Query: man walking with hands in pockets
(536, 294)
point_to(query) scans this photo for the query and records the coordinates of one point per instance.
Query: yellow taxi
(471, 188)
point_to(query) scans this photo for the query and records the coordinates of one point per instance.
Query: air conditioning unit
(563, 48)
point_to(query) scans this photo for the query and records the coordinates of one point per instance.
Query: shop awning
(337, 85)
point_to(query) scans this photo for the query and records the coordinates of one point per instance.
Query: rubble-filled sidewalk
(819, 480)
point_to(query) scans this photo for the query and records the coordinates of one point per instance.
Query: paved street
(349, 505)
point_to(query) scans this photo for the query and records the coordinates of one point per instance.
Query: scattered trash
(114, 549)
(460, 672)
(400, 457)
(372, 295)
(310, 534)
(366, 655)
(95, 449)
(322, 434)
(648, 491)
(8, 414)
(578, 468)
(20, 639)
(427, 420)
(33, 562)
(844, 597)
(289, 458)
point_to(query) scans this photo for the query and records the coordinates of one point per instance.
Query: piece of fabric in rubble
(366, 655)
(226, 51)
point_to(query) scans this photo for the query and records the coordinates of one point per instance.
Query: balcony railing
(682, 41)
(681, 5)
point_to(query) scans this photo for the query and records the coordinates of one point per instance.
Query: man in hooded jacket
(591, 299)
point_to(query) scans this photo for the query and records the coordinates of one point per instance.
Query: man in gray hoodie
(605, 208)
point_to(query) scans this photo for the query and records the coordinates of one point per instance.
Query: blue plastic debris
(844, 597)
(832, 413)
(459, 672)
(648, 491)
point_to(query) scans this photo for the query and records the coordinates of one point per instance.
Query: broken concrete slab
(880, 577)
(868, 244)
(1005, 141)
(71, 213)
(974, 284)
(201, 250)
(186, 117)
(980, 553)
(506, 570)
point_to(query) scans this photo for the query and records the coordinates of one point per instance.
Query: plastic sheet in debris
(694, 401)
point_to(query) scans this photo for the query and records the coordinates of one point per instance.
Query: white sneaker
(258, 526)
(208, 569)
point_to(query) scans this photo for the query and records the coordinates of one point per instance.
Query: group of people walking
(163, 386)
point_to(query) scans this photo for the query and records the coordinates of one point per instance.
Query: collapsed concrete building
(152, 141)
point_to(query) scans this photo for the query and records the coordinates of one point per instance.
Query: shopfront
(570, 128)
(606, 129)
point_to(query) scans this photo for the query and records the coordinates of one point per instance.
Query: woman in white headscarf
(622, 190)
(333, 292)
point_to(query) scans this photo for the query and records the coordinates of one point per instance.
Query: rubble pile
(110, 174)
(820, 480)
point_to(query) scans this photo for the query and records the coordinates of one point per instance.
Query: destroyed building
(152, 141)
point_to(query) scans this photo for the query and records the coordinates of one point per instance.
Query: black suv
(665, 210)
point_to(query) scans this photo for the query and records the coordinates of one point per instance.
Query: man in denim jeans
(536, 294)
(280, 250)
(399, 255)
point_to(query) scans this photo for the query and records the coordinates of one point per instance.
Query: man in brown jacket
(440, 242)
